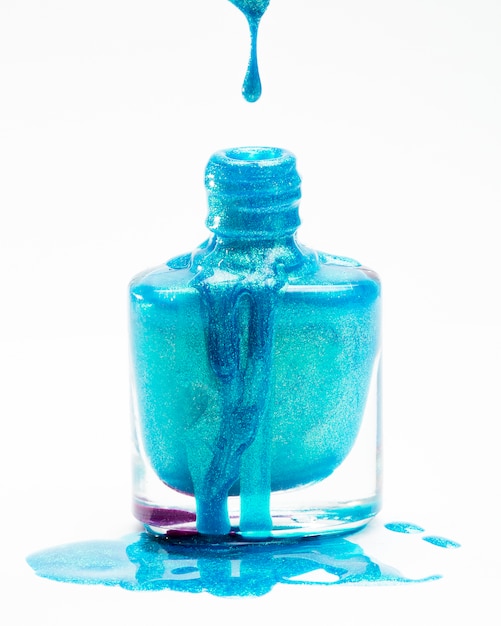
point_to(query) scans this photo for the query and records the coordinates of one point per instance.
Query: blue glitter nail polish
(255, 371)
(253, 11)
(140, 562)
(441, 542)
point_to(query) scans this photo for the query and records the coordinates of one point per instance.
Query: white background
(109, 111)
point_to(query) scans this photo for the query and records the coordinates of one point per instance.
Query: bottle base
(178, 524)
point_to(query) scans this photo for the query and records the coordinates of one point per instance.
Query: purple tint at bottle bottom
(153, 516)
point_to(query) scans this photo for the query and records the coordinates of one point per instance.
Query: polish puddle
(140, 562)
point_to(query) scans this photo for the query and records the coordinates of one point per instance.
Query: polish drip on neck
(253, 193)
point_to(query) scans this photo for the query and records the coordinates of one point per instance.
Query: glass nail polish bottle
(254, 365)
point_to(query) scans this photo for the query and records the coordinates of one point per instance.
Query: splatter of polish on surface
(139, 562)
(404, 527)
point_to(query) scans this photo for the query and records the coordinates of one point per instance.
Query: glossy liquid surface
(253, 11)
(139, 562)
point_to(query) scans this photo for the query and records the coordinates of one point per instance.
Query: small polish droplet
(404, 527)
(441, 542)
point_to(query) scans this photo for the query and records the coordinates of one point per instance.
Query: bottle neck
(247, 244)
(253, 194)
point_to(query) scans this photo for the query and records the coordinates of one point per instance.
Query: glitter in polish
(404, 527)
(410, 529)
(254, 367)
(441, 542)
(253, 11)
(140, 562)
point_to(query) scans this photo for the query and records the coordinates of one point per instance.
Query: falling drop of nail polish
(253, 11)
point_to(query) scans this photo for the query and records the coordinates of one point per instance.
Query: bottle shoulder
(176, 274)
(338, 270)
(320, 272)
(159, 280)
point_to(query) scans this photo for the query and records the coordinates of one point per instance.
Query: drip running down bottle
(255, 371)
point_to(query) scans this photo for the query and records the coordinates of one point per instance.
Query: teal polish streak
(441, 542)
(139, 562)
(253, 11)
(404, 527)
(239, 320)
